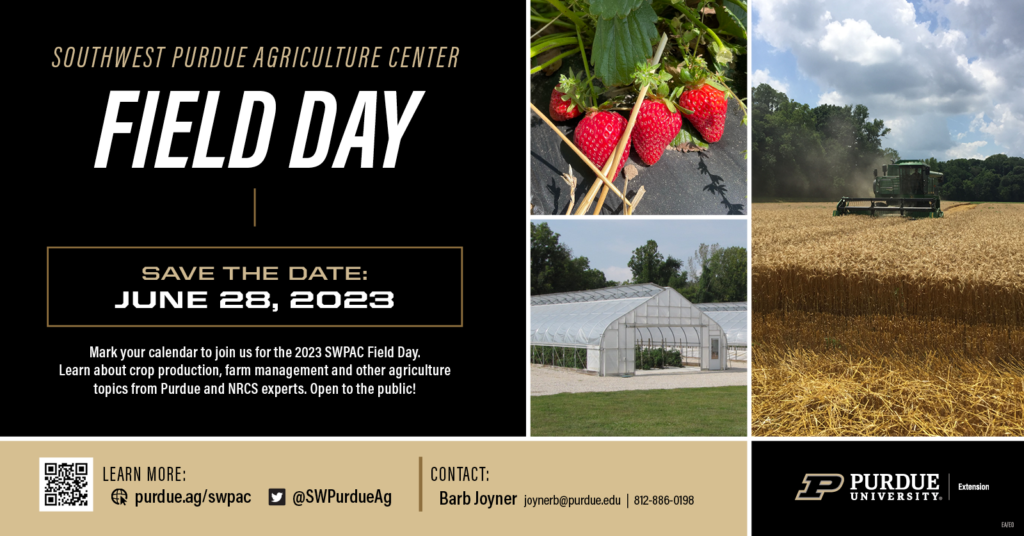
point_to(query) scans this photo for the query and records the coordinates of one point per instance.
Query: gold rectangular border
(462, 293)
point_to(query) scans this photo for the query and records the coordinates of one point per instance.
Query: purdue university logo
(816, 485)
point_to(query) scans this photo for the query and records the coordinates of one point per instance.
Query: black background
(458, 181)
(779, 468)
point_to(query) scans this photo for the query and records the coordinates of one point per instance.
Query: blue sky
(947, 76)
(609, 244)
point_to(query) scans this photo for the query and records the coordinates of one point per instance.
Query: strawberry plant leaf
(716, 85)
(688, 136)
(729, 24)
(607, 9)
(739, 12)
(621, 42)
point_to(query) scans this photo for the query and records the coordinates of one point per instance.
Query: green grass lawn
(705, 411)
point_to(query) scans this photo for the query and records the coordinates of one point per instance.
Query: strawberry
(597, 134)
(657, 121)
(655, 128)
(709, 106)
(565, 98)
(562, 110)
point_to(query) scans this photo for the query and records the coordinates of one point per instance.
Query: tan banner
(498, 487)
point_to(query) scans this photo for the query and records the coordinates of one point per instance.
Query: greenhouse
(732, 316)
(618, 330)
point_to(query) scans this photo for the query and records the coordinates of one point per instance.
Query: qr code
(65, 485)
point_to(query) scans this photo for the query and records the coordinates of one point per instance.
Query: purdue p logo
(816, 485)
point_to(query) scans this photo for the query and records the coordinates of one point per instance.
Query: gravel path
(549, 381)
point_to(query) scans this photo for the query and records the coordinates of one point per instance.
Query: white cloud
(984, 76)
(967, 150)
(904, 12)
(855, 41)
(1005, 128)
(616, 273)
(920, 63)
(919, 136)
(832, 97)
(977, 122)
(954, 39)
(763, 76)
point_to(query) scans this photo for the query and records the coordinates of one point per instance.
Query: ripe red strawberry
(709, 106)
(559, 109)
(655, 128)
(597, 134)
(565, 98)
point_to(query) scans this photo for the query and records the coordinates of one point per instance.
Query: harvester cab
(907, 187)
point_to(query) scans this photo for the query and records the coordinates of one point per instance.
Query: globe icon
(119, 496)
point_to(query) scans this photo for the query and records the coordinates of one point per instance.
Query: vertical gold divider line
(462, 287)
(421, 483)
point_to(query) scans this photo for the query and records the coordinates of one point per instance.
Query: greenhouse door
(626, 350)
(716, 364)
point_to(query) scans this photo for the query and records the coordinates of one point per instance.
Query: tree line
(711, 274)
(830, 151)
(996, 178)
(821, 152)
(715, 274)
(554, 269)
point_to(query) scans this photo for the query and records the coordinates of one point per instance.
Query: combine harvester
(906, 186)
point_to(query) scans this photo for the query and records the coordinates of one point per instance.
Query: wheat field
(887, 326)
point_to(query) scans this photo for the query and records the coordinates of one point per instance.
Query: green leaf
(716, 85)
(739, 10)
(728, 23)
(644, 74)
(688, 134)
(620, 43)
(607, 9)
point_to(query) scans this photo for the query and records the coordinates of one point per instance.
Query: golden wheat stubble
(887, 326)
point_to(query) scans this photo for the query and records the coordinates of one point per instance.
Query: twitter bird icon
(276, 496)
